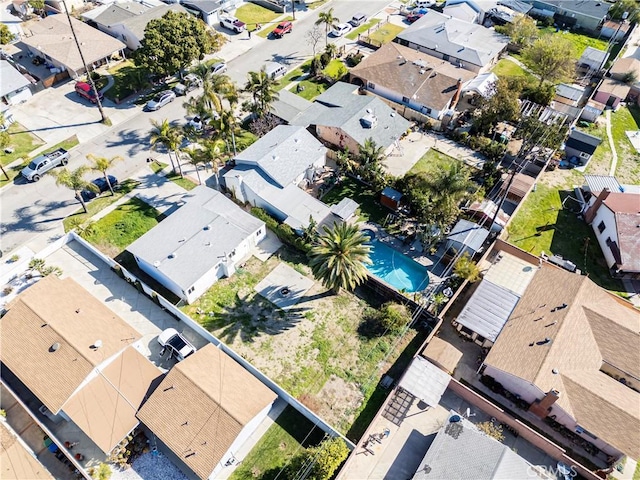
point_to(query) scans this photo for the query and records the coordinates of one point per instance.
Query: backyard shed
(442, 354)
(467, 237)
(519, 188)
(391, 198)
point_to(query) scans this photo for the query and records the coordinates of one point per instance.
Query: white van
(275, 70)
(424, 3)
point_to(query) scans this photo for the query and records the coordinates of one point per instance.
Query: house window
(426, 110)
(405, 99)
(601, 227)
(191, 290)
(371, 85)
(445, 58)
(584, 155)
(258, 233)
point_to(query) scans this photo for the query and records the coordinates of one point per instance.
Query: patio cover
(425, 381)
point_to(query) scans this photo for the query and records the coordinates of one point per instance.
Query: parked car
(218, 68)
(160, 100)
(413, 17)
(358, 19)
(189, 82)
(43, 163)
(176, 344)
(341, 29)
(101, 184)
(282, 29)
(87, 92)
(424, 3)
(232, 23)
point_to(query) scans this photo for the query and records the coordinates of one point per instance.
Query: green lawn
(293, 75)
(244, 139)
(580, 41)
(267, 29)
(507, 68)
(98, 204)
(124, 77)
(280, 442)
(431, 161)
(310, 89)
(184, 182)
(543, 225)
(370, 208)
(117, 230)
(336, 69)
(363, 28)
(600, 162)
(387, 33)
(22, 142)
(250, 13)
(67, 144)
(628, 166)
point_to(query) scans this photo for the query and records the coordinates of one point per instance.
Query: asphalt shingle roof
(12, 79)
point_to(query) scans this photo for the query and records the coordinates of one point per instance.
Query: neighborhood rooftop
(12, 79)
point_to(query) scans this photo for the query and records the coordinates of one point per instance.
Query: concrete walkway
(614, 154)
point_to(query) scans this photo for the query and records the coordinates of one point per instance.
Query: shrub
(467, 268)
(491, 429)
(354, 59)
(394, 316)
(7, 290)
(284, 232)
(325, 58)
(542, 94)
(14, 258)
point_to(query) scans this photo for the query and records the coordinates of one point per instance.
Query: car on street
(87, 92)
(282, 29)
(341, 29)
(160, 100)
(101, 186)
(176, 344)
(218, 68)
(189, 82)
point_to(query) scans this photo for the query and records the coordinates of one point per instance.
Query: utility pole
(293, 9)
(104, 120)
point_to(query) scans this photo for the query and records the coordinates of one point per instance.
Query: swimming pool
(397, 269)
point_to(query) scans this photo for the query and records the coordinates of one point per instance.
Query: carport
(425, 381)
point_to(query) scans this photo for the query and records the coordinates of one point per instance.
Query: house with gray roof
(467, 45)
(198, 244)
(342, 117)
(14, 88)
(585, 14)
(270, 172)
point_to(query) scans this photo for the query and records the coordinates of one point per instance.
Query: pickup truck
(232, 23)
(42, 164)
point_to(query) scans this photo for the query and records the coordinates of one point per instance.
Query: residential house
(204, 410)
(54, 7)
(572, 351)
(206, 10)
(17, 460)
(581, 145)
(468, 45)
(466, 237)
(15, 88)
(270, 172)
(478, 11)
(611, 92)
(198, 244)
(459, 450)
(615, 218)
(593, 59)
(585, 14)
(51, 39)
(592, 110)
(627, 70)
(412, 79)
(79, 359)
(613, 29)
(465, 10)
(491, 304)
(571, 95)
(342, 117)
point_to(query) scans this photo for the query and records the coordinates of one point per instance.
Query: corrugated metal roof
(425, 381)
(488, 310)
(597, 183)
(469, 234)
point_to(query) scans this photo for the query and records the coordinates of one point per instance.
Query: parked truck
(232, 23)
(42, 164)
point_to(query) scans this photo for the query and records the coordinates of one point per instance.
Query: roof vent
(173, 255)
(183, 239)
(97, 344)
(156, 263)
(422, 70)
(297, 140)
(77, 310)
(369, 111)
(55, 347)
(207, 227)
(554, 371)
(369, 121)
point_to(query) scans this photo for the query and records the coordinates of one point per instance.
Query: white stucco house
(14, 88)
(270, 172)
(198, 244)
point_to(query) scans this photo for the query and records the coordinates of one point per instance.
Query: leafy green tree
(263, 91)
(74, 180)
(551, 58)
(467, 268)
(173, 42)
(329, 20)
(37, 5)
(5, 34)
(320, 462)
(631, 8)
(394, 316)
(170, 137)
(339, 256)
(535, 132)
(501, 105)
(102, 164)
(522, 31)
(449, 187)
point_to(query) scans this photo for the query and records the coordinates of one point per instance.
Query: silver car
(218, 68)
(160, 100)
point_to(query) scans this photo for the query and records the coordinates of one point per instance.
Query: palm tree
(329, 22)
(370, 153)
(102, 164)
(331, 50)
(263, 90)
(448, 187)
(339, 257)
(163, 133)
(74, 180)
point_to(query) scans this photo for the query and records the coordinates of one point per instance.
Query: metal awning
(425, 381)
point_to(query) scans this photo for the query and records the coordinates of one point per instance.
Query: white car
(176, 344)
(160, 100)
(218, 68)
(341, 30)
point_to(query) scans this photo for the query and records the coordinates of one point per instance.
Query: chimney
(541, 408)
(456, 97)
(590, 214)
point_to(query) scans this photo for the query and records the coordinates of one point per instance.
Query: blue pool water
(397, 269)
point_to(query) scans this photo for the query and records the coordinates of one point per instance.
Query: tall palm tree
(370, 153)
(339, 257)
(227, 125)
(449, 186)
(74, 180)
(329, 21)
(102, 164)
(262, 89)
(163, 133)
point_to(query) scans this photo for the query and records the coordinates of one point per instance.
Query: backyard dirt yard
(314, 350)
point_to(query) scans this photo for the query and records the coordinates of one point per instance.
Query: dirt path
(614, 154)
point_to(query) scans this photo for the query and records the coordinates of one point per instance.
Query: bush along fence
(181, 316)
